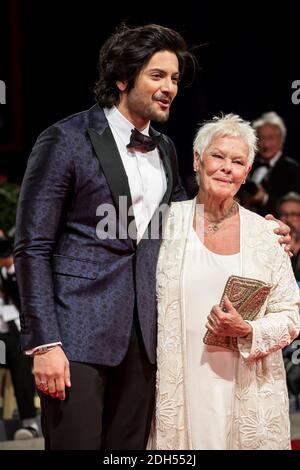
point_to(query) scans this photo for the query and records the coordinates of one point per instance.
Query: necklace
(214, 225)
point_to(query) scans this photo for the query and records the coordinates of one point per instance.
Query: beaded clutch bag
(247, 296)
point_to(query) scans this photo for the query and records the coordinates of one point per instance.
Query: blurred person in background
(289, 213)
(19, 365)
(273, 173)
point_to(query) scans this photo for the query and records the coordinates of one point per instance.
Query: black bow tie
(142, 142)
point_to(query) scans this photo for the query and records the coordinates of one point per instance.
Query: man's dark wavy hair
(127, 51)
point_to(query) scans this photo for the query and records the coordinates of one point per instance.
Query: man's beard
(156, 116)
(148, 112)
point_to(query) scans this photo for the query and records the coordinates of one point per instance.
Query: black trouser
(106, 407)
(22, 378)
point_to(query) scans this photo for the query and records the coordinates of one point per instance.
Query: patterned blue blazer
(75, 287)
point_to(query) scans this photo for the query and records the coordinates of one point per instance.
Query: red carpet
(296, 444)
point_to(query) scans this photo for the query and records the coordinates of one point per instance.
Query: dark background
(248, 56)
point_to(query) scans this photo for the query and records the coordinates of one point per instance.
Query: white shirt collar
(275, 158)
(121, 125)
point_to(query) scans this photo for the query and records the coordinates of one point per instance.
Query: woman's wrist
(248, 330)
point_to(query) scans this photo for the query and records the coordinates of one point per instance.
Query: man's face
(289, 213)
(154, 90)
(269, 141)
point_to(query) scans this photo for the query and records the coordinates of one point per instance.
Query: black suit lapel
(163, 152)
(113, 169)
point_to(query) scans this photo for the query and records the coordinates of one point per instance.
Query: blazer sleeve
(281, 323)
(43, 202)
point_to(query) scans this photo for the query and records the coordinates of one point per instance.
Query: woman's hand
(228, 323)
(284, 231)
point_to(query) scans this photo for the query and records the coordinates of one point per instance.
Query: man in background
(273, 174)
(289, 213)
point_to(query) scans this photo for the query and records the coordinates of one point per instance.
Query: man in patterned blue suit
(88, 302)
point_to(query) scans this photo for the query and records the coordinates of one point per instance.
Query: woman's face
(224, 166)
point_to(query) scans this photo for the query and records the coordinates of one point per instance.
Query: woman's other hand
(229, 323)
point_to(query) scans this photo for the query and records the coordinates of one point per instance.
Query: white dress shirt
(260, 172)
(146, 177)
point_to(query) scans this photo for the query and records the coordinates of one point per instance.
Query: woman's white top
(211, 369)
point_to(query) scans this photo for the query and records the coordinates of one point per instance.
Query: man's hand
(229, 323)
(52, 372)
(284, 231)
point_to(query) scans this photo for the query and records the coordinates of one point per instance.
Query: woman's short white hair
(230, 125)
(273, 119)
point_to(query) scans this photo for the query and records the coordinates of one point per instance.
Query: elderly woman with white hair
(214, 395)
